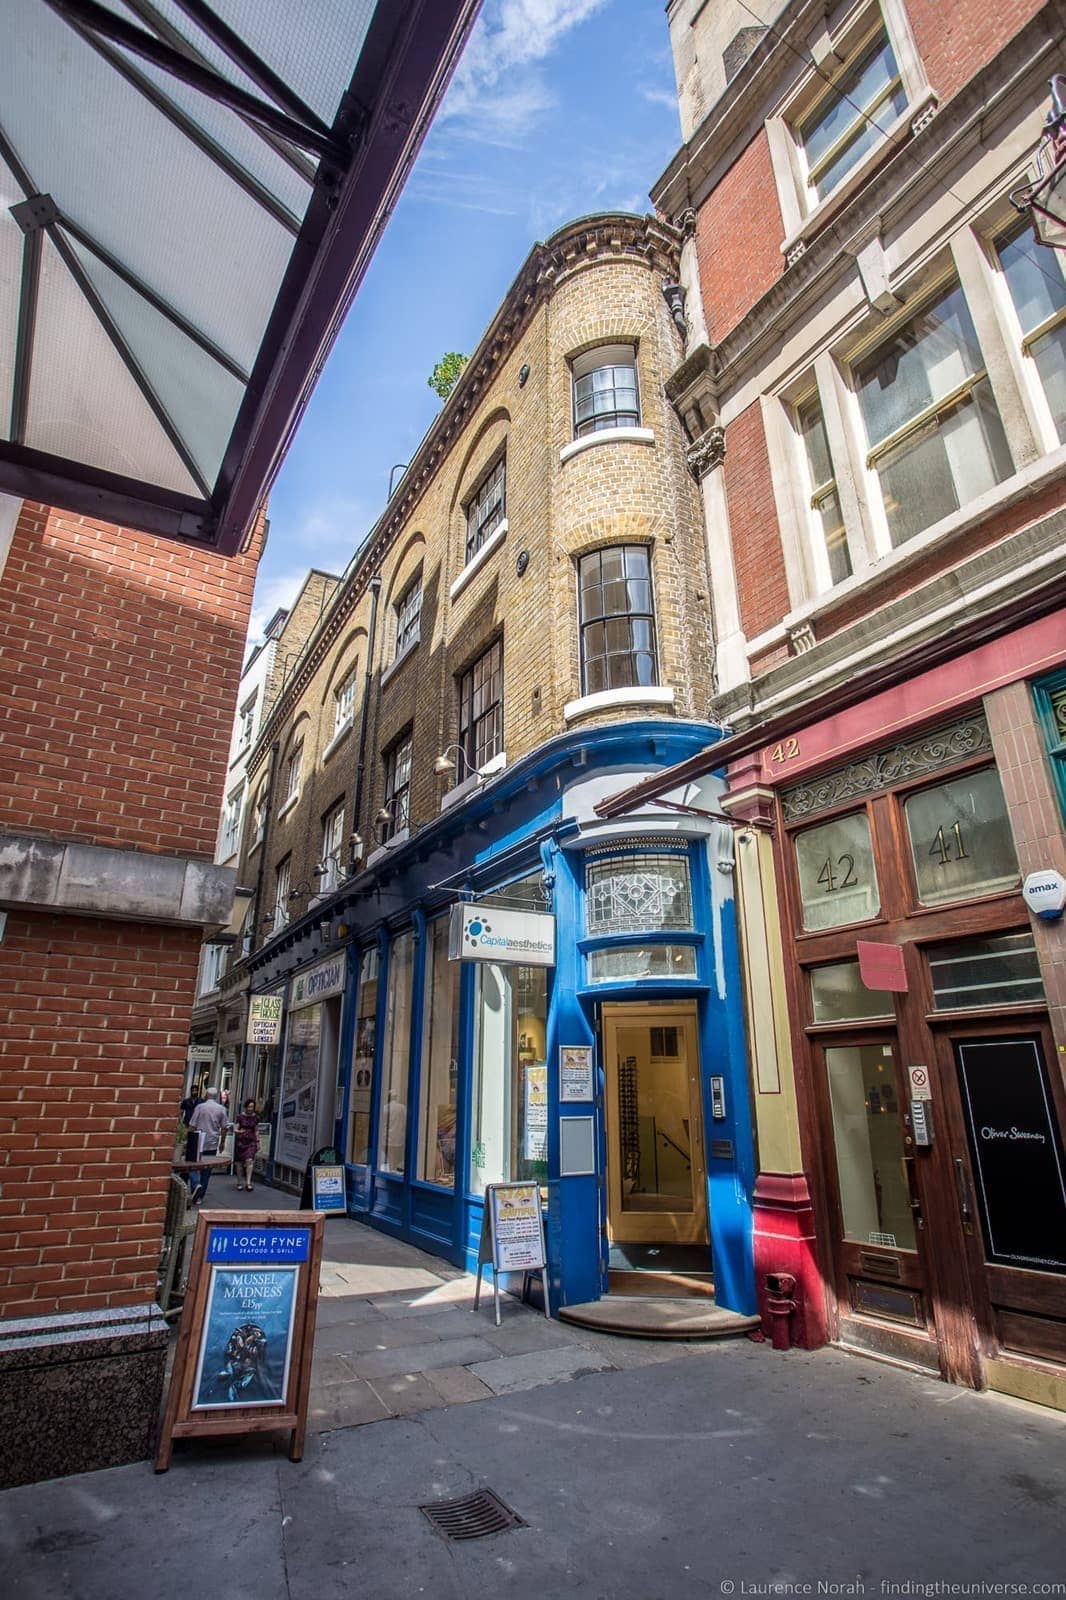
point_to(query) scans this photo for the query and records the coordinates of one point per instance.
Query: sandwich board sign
(512, 1239)
(327, 1188)
(243, 1362)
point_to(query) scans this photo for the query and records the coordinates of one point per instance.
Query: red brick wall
(120, 658)
(738, 239)
(92, 1055)
(955, 41)
(756, 538)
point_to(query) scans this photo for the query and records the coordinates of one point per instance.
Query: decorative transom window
(486, 508)
(605, 389)
(329, 875)
(935, 437)
(853, 114)
(826, 520)
(617, 619)
(397, 787)
(344, 703)
(1036, 279)
(641, 893)
(409, 616)
(1050, 696)
(293, 767)
(481, 708)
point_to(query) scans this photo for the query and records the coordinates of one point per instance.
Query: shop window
(635, 961)
(481, 708)
(486, 508)
(960, 838)
(837, 880)
(329, 868)
(935, 437)
(362, 1086)
(1036, 280)
(868, 1140)
(1000, 970)
(827, 523)
(617, 619)
(605, 389)
(392, 1123)
(397, 788)
(640, 893)
(838, 994)
(440, 1061)
(409, 617)
(1050, 696)
(851, 116)
(509, 1129)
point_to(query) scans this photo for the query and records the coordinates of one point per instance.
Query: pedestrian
(247, 1144)
(188, 1106)
(210, 1122)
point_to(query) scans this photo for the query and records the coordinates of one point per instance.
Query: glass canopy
(189, 196)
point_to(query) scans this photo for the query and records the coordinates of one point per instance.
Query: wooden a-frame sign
(243, 1362)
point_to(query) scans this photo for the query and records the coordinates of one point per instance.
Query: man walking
(210, 1121)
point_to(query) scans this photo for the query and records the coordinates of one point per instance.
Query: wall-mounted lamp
(1045, 200)
(444, 762)
(523, 374)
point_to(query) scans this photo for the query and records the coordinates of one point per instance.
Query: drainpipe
(364, 715)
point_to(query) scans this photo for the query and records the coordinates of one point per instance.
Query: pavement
(639, 1471)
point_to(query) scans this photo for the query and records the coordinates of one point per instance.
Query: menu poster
(247, 1339)
(576, 1080)
(517, 1233)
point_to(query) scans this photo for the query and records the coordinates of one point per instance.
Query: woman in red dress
(247, 1144)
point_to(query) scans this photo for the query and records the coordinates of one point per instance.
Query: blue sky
(558, 108)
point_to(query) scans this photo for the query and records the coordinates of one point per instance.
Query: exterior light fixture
(444, 762)
(1045, 200)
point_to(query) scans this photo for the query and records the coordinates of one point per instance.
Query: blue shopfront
(611, 1070)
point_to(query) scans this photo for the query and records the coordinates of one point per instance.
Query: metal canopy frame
(356, 169)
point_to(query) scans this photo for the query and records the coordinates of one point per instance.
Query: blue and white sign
(327, 1188)
(488, 933)
(320, 982)
(258, 1244)
(1045, 894)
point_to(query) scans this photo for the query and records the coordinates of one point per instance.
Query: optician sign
(320, 982)
(264, 1019)
(486, 933)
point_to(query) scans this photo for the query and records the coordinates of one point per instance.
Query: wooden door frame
(661, 1227)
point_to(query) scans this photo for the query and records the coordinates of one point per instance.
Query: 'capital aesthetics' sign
(488, 933)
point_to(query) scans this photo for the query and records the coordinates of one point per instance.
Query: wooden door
(656, 1172)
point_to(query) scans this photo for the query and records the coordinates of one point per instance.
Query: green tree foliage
(446, 373)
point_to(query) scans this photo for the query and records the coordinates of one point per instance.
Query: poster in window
(575, 1072)
(246, 1344)
(536, 1111)
(299, 1088)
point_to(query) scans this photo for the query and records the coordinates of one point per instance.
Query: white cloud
(498, 86)
(324, 534)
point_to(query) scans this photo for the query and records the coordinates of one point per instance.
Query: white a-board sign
(512, 1238)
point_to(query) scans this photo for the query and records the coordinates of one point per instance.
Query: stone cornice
(577, 247)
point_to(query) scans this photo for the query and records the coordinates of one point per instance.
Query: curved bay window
(617, 619)
(605, 389)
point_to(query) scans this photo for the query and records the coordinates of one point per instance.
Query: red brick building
(874, 396)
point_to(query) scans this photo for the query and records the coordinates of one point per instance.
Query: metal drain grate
(472, 1516)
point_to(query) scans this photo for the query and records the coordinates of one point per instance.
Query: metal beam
(159, 24)
(106, 496)
(141, 288)
(27, 323)
(87, 14)
(253, 66)
(192, 130)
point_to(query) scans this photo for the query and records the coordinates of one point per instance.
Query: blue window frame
(1050, 696)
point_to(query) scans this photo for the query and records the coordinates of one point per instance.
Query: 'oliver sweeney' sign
(1017, 1152)
(487, 933)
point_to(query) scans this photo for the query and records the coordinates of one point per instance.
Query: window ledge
(474, 781)
(338, 739)
(608, 699)
(253, 847)
(1019, 486)
(895, 134)
(386, 849)
(606, 436)
(283, 810)
(397, 661)
(474, 565)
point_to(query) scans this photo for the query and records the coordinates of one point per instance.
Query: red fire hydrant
(780, 1304)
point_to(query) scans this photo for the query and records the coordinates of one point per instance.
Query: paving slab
(457, 1385)
(402, 1393)
(360, 1338)
(510, 1374)
(348, 1404)
(516, 1336)
(422, 1357)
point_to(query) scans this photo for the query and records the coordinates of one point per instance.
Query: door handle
(963, 1185)
(912, 1191)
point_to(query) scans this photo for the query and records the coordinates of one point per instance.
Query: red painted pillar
(784, 1242)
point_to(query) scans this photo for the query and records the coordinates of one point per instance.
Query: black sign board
(1017, 1152)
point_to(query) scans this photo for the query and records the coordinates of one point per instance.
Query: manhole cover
(472, 1516)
